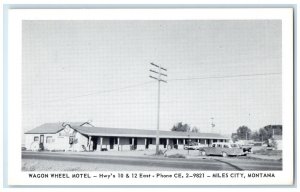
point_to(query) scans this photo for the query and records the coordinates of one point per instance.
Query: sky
(98, 71)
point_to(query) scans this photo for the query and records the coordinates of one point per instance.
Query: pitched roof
(122, 132)
(52, 128)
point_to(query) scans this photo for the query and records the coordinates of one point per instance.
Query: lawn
(268, 152)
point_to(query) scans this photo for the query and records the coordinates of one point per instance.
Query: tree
(181, 127)
(255, 136)
(266, 132)
(195, 129)
(243, 133)
(277, 129)
(263, 134)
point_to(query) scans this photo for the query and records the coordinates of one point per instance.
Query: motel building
(86, 137)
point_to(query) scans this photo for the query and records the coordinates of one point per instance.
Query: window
(116, 140)
(71, 139)
(213, 145)
(49, 139)
(150, 141)
(219, 145)
(36, 138)
(130, 141)
(225, 146)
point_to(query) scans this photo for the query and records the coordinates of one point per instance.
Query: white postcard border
(17, 177)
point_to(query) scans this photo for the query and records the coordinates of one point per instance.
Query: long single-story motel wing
(86, 137)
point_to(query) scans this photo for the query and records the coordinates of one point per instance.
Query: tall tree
(276, 129)
(263, 134)
(181, 127)
(243, 132)
(267, 132)
(255, 136)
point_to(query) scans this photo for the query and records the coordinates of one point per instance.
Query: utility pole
(189, 144)
(212, 125)
(158, 77)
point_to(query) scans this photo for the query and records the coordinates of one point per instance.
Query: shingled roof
(122, 132)
(51, 128)
(101, 131)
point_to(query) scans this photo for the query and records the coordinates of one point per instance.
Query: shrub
(177, 155)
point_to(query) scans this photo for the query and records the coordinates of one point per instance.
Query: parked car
(224, 149)
(246, 148)
(194, 146)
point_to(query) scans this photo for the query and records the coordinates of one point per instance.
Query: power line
(110, 90)
(224, 77)
(101, 92)
(148, 82)
(127, 103)
(135, 103)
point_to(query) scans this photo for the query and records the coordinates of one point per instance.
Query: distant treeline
(263, 134)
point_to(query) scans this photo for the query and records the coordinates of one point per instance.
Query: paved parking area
(139, 161)
(186, 153)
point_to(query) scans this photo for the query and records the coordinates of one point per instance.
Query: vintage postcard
(106, 97)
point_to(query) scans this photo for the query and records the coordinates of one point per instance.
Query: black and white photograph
(161, 97)
(151, 95)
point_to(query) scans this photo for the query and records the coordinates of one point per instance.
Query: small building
(86, 137)
(276, 140)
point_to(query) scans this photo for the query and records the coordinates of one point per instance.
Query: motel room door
(148, 143)
(111, 142)
(135, 143)
(41, 144)
(95, 140)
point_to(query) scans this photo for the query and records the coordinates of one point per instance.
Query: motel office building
(86, 137)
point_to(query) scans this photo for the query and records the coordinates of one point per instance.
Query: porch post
(101, 143)
(145, 143)
(89, 145)
(132, 143)
(183, 141)
(205, 141)
(167, 143)
(118, 143)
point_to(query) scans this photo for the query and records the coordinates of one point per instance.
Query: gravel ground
(52, 165)
(178, 152)
(145, 153)
(48, 165)
(185, 153)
